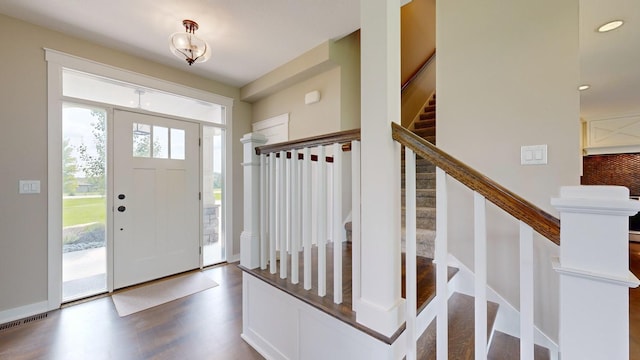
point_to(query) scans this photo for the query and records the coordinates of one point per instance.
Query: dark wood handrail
(541, 221)
(337, 137)
(420, 69)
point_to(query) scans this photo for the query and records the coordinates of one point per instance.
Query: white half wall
(281, 327)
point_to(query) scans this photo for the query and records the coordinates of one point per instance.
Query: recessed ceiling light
(611, 25)
(584, 87)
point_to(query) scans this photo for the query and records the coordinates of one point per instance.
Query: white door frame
(56, 61)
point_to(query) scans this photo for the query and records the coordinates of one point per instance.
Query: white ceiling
(610, 62)
(252, 37)
(249, 38)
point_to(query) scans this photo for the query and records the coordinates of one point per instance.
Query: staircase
(461, 335)
(425, 127)
(460, 306)
(344, 285)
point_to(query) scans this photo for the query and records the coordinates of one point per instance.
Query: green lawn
(83, 211)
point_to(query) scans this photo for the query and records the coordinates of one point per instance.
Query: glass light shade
(189, 47)
(611, 25)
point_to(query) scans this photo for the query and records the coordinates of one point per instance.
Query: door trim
(56, 60)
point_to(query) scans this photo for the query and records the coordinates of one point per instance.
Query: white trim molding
(23, 312)
(275, 129)
(56, 61)
(94, 67)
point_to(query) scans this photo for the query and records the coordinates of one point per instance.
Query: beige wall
(506, 77)
(338, 81)
(305, 120)
(417, 35)
(23, 147)
(346, 53)
(416, 94)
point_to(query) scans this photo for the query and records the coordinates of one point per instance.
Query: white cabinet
(612, 135)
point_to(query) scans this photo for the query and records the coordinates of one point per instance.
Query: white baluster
(272, 213)
(306, 215)
(337, 223)
(295, 217)
(526, 292)
(322, 222)
(410, 240)
(480, 261)
(355, 223)
(263, 211)
(442, 292)
(282, 233)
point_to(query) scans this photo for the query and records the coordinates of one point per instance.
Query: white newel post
(249, 239)
(594, 271)
(380, 306)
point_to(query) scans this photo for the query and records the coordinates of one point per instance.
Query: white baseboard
(23, 311)
(256, 347)
(233, 258)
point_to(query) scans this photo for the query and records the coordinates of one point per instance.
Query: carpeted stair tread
(461, 329)
(424, 176)
(425, 217)
(424, 242)
(430, 107)
(507, 347)
(424, 197)
(421, 167)
(431, 115)
(424, 123)
(425, 132)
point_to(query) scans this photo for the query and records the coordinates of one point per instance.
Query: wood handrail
(417, 72)
(541, 221)
(327, 139)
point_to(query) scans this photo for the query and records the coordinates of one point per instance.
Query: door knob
(121, 208)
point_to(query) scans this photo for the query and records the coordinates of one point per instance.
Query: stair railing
(293, 204)
(593, 263)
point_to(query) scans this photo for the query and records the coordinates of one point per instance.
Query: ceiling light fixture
(611, 25)
(584, 87)
(186, 45)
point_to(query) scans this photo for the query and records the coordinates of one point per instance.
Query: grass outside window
(83, 210)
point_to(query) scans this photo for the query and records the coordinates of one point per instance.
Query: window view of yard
(84, 202)
(83, 222)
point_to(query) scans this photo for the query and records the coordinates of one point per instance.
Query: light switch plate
(533, 155)
(29, 187)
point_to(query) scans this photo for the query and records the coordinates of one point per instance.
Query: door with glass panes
(156, 197)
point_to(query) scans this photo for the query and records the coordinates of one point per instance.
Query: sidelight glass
(84, 205)
(212, 200)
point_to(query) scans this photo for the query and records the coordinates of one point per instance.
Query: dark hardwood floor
(206, 325)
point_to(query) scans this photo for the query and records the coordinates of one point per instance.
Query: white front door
(156, 197)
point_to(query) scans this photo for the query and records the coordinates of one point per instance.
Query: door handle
(121, 196)
(121, 208)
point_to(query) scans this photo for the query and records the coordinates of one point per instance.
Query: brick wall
(615, 169)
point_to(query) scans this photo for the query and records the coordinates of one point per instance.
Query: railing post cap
(611, 200)
(594, 192)
(253, 137)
